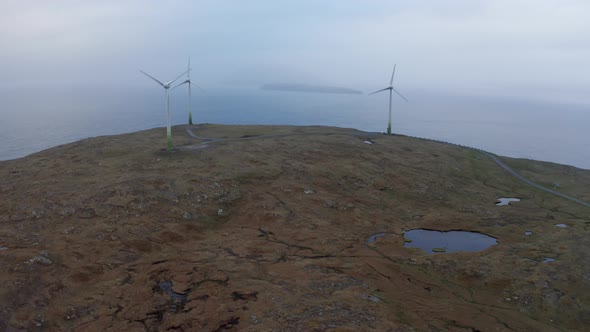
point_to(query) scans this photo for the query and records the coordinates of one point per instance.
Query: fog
(509, 76)
(530, 49)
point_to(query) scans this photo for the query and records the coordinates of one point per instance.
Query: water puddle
(506, 201)
(544, 260)
(561, 225)
(449, 241)
(166, 287)
(374, 237)
(372, 298)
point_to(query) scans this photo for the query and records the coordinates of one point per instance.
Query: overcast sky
(534, 49)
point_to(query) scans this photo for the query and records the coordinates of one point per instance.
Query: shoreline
(287, 125)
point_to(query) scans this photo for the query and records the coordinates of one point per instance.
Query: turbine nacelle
(187, 81)
(166, 85)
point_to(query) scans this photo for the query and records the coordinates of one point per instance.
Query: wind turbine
(166, 86)
(390, 88)
(189, 82)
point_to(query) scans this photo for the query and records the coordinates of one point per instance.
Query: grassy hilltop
(270, 233)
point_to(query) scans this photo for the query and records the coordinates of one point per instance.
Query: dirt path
(529, 182)
(209, 140)
(518, 176)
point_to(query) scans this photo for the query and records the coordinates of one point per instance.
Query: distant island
(309, 88)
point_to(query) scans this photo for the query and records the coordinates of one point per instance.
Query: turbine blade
(202, 90)
(399, 94)
(187, 81)
(378, 91)
(189, 68)
(153, 78)
(179, 76)
(392, 74)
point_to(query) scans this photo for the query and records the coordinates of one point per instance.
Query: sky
(530, 49)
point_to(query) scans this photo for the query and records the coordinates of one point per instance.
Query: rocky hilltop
(279, 228)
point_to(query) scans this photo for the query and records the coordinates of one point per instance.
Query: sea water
(40, 117)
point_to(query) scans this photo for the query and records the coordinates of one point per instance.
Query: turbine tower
(390, 88)
(166, 86)
(190, 83)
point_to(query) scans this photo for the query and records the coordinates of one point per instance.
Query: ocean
(37, 118)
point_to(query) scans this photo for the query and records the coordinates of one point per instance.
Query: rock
(473, 273)
(372, 298)
(330, 203)
(542, 284)
(68, 211)
(38, 213)
(69, 230)
(41, 259)
(553, 296)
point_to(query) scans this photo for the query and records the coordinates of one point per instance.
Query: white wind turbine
(190, 83)
(166, 86)
(390, 88)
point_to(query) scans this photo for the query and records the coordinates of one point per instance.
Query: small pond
(506, 201)
(166, 287)
(450, 241)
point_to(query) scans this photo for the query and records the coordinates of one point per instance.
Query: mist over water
(507, 76)
(49, 116)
